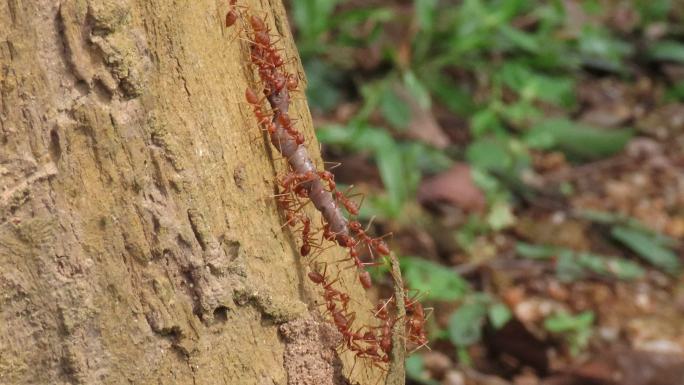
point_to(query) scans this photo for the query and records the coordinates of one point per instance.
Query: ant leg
(425, 344)
(334, 165)
(353, 366)
(410, 301)
(384, 306)
(320, 250)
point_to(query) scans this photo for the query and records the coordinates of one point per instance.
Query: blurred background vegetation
(528, 158)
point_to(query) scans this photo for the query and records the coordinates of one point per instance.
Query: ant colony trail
(304, 183)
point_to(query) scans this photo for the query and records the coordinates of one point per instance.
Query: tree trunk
(139, 242)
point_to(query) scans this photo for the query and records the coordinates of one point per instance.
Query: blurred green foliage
(575, 329)
(511, 69)
(572, 265)
(465, 324)
(433, 280)
(526, 71)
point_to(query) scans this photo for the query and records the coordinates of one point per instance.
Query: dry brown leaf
(423, 124)
(455, 186)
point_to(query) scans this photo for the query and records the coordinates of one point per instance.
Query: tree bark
(139, 242)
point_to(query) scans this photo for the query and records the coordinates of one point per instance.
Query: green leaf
(500, 216)
(312, 17)
(624, 269)
(428, 159)
(489, 154)
(575, 328)
(395, 110)
(465, 324)
(564, 322)
(436, 281)
(350, 20)
(321, 92)
(392, 173)
(389, 160)
(410, 159)
(417, 90)
(600, 49)
(415, 370)
(335, 134)
(377, 206)
(573, 265)
(515, 76)
(608, 218)
(464, 358)
(540, 139)
(528, 250)
(355, 27)
(667, 50)
(653, 10)
(592, 262)
(648, 248)
(372, 95)
(578, 140)
(425, 13)
(486, 181)
(603, 217)
(531, 85)
(485, 121)
(521, 112)
(452, 94)
(388, 155)
(675, 93)
(568, 268)
(499, 315)
(524, 40)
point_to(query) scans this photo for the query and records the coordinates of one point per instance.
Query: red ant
(328, 177)
(349, 205)
(380, 246)
(306, 241)
(257, 23)
(373, 343)
(295, 182)
(382, 314)
(415, 322)
(262, 118)
(374, 244)
(231, 15)
(287, 125)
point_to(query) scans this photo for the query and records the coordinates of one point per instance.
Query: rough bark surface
(139, 242)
